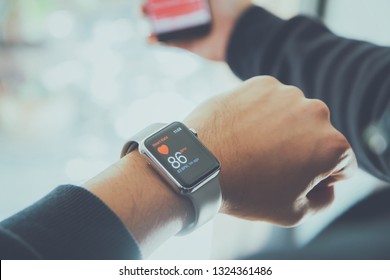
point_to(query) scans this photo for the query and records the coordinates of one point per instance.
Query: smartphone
(177, 20)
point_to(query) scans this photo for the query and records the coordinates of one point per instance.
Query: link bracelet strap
(206, 200)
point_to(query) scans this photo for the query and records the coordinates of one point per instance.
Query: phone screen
(174, 15)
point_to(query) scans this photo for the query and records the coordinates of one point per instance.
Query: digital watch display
(177, 150)
(176, 153)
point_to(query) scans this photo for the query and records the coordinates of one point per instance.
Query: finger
(186, 45)
(347, 166)
(322, 195)
(144, 9)
(152, 39)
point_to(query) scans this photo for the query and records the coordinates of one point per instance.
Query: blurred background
(77, 79)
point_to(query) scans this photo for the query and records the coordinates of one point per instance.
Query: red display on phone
(179, 19)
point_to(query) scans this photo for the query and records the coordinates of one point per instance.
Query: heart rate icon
(163, 149)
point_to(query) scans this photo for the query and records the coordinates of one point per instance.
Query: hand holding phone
(213, 46)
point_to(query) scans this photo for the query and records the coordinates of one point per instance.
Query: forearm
(148, 207)
(350, 76)
(127, 200)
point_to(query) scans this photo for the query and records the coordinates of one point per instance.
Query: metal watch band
(206, 200)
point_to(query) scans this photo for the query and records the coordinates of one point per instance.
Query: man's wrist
(144, 202)
(140, 174)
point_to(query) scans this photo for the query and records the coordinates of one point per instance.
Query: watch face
(179, 152)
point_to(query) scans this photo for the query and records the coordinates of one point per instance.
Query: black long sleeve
(69, 223)
(351, 77)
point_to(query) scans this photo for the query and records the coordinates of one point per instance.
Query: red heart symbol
(163, 149)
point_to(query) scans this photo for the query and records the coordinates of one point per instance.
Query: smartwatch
(176, 153)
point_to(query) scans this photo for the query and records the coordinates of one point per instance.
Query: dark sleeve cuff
(253, 28)
(71, 223)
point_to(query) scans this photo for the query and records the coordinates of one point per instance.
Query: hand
(279, 153)
(280, 157)
(213, 46)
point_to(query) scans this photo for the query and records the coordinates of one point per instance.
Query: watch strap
(207, 202)
(132, 144)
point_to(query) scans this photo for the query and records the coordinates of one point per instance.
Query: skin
(280, 158)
